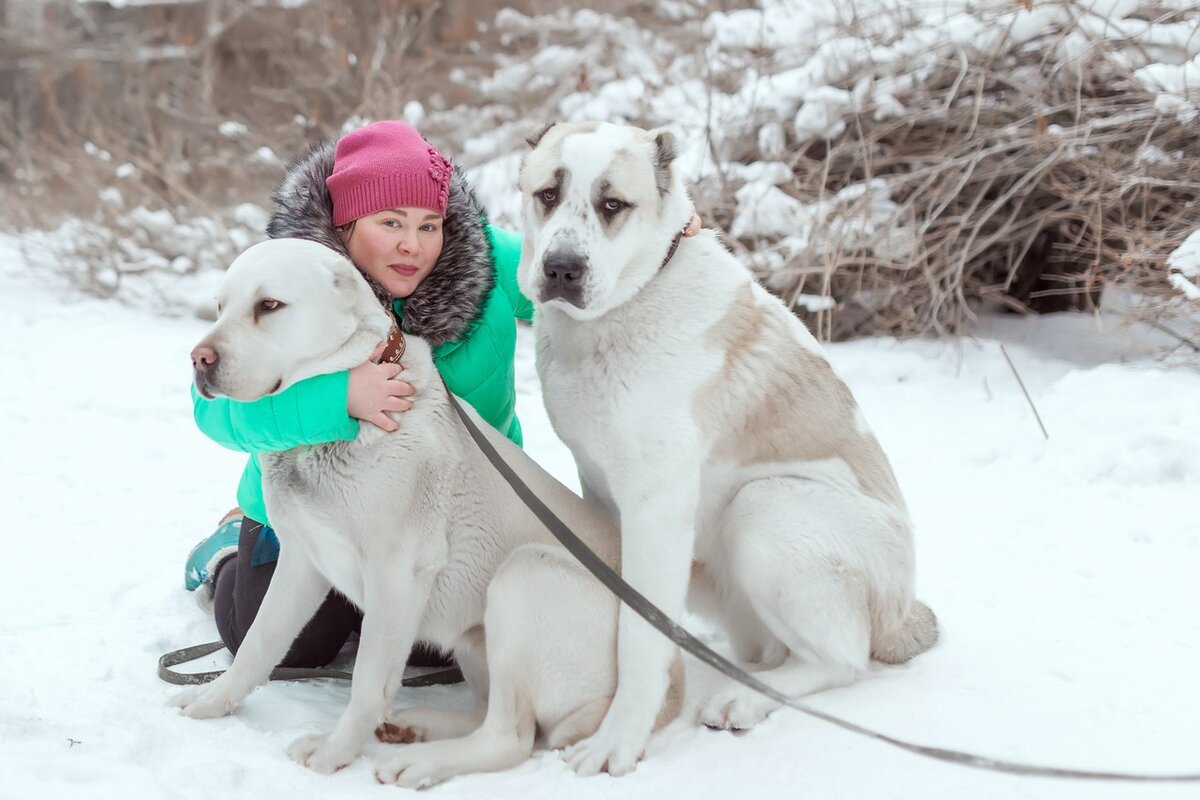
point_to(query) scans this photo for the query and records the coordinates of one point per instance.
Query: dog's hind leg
(579, 724)
(550, 664)
(410, 725)
(585, 720)
(788, 568)
(504, 740)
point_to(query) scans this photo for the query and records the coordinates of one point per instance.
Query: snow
(860, 215)
(414, 113)
(1186, 258)
(1184, 263)
(265, 155)
(232, 129)
(1063, 573)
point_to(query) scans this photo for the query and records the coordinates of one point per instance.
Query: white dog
(706, 422)
(416, 528)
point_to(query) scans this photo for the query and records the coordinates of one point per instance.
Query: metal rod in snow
(1021, 383)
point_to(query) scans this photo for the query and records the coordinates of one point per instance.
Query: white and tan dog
(706, 422)
(418, 530)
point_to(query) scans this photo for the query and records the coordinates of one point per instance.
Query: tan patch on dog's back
(776, 401)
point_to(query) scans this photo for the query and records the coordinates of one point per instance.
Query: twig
(1180, 337)
(1021, 383)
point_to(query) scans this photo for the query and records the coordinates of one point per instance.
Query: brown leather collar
(394, 349)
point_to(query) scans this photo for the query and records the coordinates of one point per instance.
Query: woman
(408, 220)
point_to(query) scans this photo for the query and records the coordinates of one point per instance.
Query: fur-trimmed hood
(450, 300)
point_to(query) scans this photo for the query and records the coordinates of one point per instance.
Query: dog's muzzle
(564, 273)
(204, 364)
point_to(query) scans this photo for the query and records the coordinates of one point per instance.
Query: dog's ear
(345, 278)
(665, 148)
(534, 140)
(665, 152)
(343, 284)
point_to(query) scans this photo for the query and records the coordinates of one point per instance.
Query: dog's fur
(707, 423)
(417, 529)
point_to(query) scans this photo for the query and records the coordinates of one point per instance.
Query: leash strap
(177, 657)
(677, 634)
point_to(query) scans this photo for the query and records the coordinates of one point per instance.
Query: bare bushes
(888, 167)
(133, 136)
(1030, 194)
(1032, 173)
(152, 258)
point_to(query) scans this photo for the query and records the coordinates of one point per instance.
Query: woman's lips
(406, 270)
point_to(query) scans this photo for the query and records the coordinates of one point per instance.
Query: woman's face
(397, 247)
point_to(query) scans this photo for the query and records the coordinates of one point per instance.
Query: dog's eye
(548, 196)
(612, 205)
(266, 306)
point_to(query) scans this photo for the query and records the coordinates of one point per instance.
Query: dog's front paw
(407, 770)
(736, 708)
(321, 752)
(203, 703)
(606, 751)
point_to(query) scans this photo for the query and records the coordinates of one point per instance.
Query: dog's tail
(915, 636)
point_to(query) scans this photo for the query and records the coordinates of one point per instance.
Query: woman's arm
(312, 411)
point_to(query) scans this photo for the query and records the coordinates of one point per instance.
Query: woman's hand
(374, 390)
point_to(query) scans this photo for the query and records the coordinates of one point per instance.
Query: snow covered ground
(1063, 572)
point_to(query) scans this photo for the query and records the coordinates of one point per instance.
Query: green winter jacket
(466, 309)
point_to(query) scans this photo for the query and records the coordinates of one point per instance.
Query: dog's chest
(624, 406)
(589, 388)
(309, 492)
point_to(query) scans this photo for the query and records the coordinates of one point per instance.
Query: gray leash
(677, 634)
(177, 657)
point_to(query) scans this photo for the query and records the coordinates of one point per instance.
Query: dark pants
(239, 589)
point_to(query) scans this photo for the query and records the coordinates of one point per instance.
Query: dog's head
(601, 204)
(288, 309)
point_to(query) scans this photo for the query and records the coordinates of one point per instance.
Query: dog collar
(674, 245)
(394, 349)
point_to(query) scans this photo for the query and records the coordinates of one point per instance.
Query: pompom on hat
(386, 165)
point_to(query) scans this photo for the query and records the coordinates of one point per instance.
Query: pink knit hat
(386, 165)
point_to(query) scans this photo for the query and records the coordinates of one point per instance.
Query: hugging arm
(317, 410)
(312, 411)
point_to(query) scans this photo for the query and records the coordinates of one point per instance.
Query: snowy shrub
(907, 163)
(168, 261)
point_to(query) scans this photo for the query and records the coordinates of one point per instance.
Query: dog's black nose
(564, 273)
